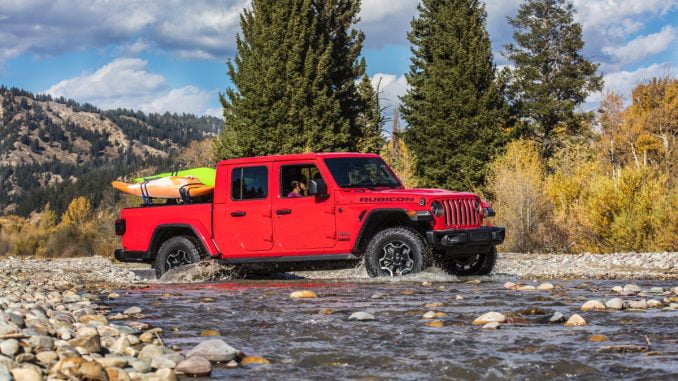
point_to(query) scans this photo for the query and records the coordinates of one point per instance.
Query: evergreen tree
(551, 77)
(371, 120)
(294, 80)
(453, 107)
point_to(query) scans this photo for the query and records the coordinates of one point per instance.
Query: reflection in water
(259, 318)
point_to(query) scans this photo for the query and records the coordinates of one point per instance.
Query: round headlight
(436, 208)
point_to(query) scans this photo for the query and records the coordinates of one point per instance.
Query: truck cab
(315, 211)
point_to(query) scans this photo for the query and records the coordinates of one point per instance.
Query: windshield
(362, 172)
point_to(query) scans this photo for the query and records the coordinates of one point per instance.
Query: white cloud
(386, 21)
(643, 46)
(126, 83)
(623, 82)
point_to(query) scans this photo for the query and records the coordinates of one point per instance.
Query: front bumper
(132, 256)
(465, 240)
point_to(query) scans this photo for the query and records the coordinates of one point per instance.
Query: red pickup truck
(314, 211)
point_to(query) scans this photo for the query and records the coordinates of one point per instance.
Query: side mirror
(317, 188)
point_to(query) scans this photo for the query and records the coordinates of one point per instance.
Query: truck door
(243, 223)
(301, 221)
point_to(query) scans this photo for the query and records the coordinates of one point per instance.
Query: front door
(245, 219)
(301, 221)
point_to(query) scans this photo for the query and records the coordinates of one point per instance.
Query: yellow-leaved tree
(78, 211)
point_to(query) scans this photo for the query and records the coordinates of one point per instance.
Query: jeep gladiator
(314, 211)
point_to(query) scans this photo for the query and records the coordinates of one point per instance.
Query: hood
(386, 195)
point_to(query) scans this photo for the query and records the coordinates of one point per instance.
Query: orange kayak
(166, 187)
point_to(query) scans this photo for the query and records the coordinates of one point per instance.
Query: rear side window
(249, 183)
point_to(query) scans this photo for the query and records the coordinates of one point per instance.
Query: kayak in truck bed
(166, 187)
(204, 175)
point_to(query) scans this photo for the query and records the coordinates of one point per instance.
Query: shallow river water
(259, 318)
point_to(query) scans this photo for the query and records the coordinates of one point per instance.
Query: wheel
(394, 252)
(475, 264)
(177, 251)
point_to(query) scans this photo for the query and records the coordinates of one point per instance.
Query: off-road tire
(477, 264)
(192, 250)
(418, 250)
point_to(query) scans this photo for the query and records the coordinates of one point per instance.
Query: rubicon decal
(386, 199)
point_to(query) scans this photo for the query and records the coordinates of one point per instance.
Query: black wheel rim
(396, 258)
(177, 258)
(467, 263)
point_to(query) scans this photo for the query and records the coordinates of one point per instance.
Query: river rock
(435, 323)
(47, 358)
(557, 317)
(546, 286)
(160, 375)
(26, 374)
(653, 303)
(598, 338)
(459, 297)
(150, 351)
(361, 316)
(150, 335)
(510, 285)
(631, 289)
(196, 366)
(637, 304)
(657, 290)
(434, 305)
(491, 325)
(91, 344)
(120, 345)
(210, 333)
(429, 315)
(213, 350)
(9, 347)
(526, 288)
(41, 342)
(247, 360)
(615, 304)
(618, 289)
(134, 310)
(112, 361)
(377, 295)
(303, 294)
(162, 362)
(489, 318)
(575, 320)
(325, 311)
(140, 366)
(593, 305)
(5, 375)
(117, 374)
(79, 368)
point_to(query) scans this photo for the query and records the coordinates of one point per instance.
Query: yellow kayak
(166, 187)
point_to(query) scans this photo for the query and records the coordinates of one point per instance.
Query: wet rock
(575, 321)
(532, 312)
(377, 295)
(9, 347)
(117, 374)
(526, 288)
(510, 285)
(93, 318)
(598, 338)
(195, 366)
(631, 289)
(150, 335)
(408, 291)
(629, 348)
(113, 295)
(434, 305)
(361, 316)
(247, 360)
(209, 333)
(213, 350)
(426, 283)
(151, 351)
(492, 325)
(653, 303)
(657, 290)
(557, 317)
(429, 315)
(232, 364)
(489, 318)
(637, 304)
(546, 286)
(435, 323)
(593, 305)
(26, 374)
(615, 304)
(303, 294)
(459, 297)
(618, 289)
(162, 362)
(132, 311)
(90, 344)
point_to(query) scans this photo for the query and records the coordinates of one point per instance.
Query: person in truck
(297, 189)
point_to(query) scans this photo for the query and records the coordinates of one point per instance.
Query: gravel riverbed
(88, 318)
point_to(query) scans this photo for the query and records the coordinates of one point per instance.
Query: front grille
(462, 212)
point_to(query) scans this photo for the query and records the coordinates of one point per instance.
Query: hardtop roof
(294, 157)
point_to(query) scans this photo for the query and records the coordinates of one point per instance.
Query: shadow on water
(258, 317)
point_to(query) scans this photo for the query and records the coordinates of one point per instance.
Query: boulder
(213, 350)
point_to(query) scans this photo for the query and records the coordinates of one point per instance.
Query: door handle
(280, 212)
(239, 213)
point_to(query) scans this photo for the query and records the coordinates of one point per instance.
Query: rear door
(301, 222)
(243, 223)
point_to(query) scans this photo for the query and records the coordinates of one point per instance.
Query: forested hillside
(53, 150)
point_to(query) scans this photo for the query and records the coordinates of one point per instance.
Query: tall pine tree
(550, 78)
(371, 120)
(294, 80)
(453, 107)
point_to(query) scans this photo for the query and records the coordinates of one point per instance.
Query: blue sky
(170, 55)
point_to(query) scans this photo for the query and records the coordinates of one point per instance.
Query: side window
(295, 179)
(249, 183)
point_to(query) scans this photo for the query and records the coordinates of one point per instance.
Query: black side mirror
(317, 188)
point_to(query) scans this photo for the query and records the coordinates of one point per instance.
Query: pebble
(615, 304)
(631, 289)
(593, 305)
(90, 343)
(557, 317)
(429, 315)
(247, 360)
(303, 294)
(132, 311)
(162, 362)
(546, 286)
(637, 304)
(489, 318)
(361, 316)
(653, 303)
(491, 325)
(377, 295)
(426, 283)
(657, 290)
(9, 347)
(434, 305)
(210, 333)
(459, 297)
(510, 285)
(526, 288)
(196, 366)
(151, 351)
(575, 320)
(598, 338)
(213, 350)
(117, 374)
(618, 289)
(435, 323)
(26, 374)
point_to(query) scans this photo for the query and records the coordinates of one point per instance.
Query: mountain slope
(52, 150)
